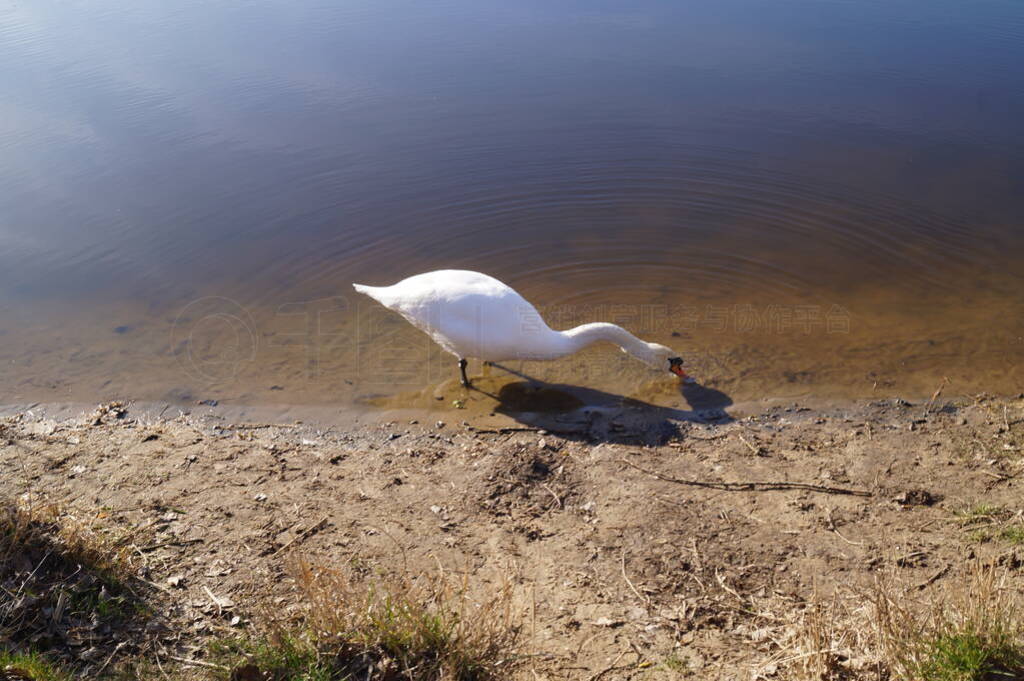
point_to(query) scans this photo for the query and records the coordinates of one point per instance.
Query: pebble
(608, 622)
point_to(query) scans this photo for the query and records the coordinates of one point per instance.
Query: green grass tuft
(676, 664)
(972, 631)
(1013, 534)
(979, 513)
(31, 667)
(970, 656)
(280, 659)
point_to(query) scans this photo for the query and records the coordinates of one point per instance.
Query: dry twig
(757, 486)
(197, 663)
(755, 450)
(931, 580)
(611, 668)
(630, 584)
(301, 535)
(176, 542)
(257, 426)
(935, 395)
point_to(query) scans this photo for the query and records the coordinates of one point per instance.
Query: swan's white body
(470, 314)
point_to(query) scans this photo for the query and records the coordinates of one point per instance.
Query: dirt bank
(638, 545)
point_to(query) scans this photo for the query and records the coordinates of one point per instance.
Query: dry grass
(423, 628)
(63, 583)
(969, 629)
(972, 630)
(27, 528)
(827, 645)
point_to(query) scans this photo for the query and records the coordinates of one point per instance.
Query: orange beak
(677, 369)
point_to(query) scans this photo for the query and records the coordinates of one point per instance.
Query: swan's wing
(469, 314)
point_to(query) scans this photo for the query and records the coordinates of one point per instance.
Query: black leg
(462, 370)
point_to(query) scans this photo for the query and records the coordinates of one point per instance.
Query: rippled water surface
(805, 197)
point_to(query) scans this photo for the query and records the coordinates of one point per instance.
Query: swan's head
(663, 357)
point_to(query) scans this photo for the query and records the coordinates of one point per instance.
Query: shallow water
(805, 198)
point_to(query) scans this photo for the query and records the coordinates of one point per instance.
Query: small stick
(721, 582)
(301, 535)
(159, 666)
(118, 647)
(831, 523)
(558, 500)
(752, 486)
(757, 452)
(215, 600)
(935, 395)
(633, 588)
(840, 535)
(256, 426)
(931, 580)
(197, 663)
(696, 554)
(611, 668)
(176, 542)
(155, 585)
(706, 439)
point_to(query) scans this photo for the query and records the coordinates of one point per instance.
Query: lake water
(805, 197)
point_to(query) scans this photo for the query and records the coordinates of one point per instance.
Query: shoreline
(482, 408)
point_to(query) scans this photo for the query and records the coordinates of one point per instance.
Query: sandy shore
(636, 541)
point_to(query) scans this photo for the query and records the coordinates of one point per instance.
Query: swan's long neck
(581, 336)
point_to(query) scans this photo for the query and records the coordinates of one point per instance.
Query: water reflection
(788, 156)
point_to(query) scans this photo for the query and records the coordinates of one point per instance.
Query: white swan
(470, 314)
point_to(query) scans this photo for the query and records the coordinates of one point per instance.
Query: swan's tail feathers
(375, 292)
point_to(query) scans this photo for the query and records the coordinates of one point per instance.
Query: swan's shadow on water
(594, 415)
